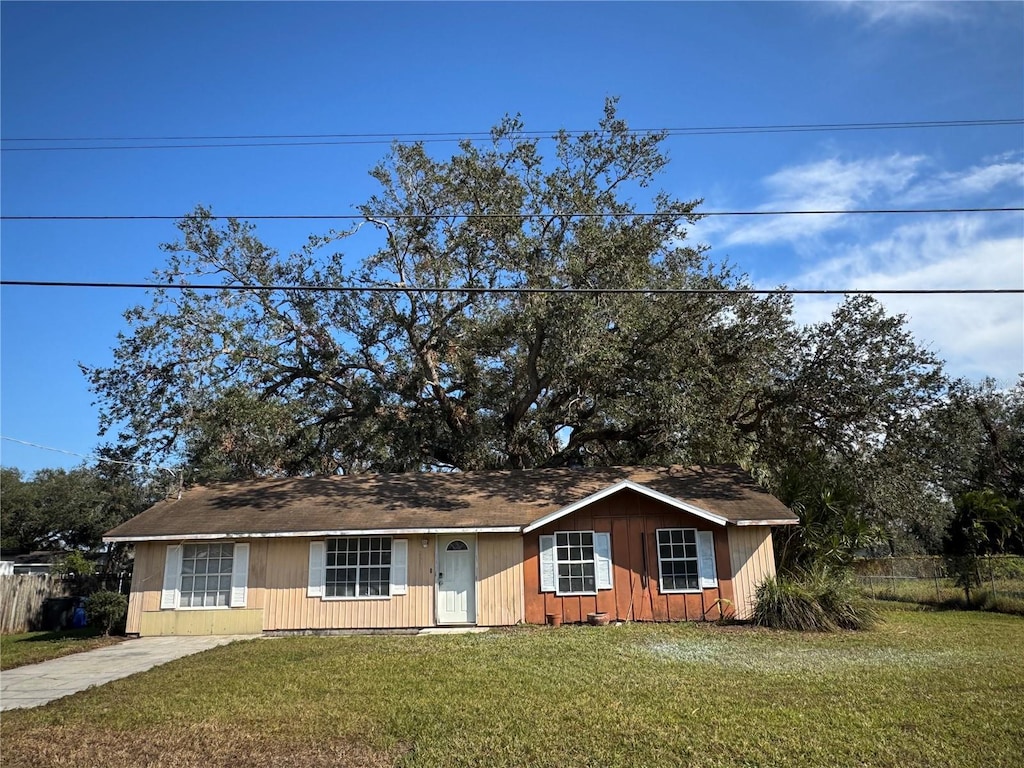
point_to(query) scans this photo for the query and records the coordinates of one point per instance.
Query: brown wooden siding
(752, 561)
(499, 579)
(632, 519)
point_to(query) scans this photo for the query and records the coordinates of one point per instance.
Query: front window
(206, 575)
(574, 557)
(358, 567)
(677, 560)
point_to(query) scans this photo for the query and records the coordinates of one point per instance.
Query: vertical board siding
(147, 583)
(287, 607)
(752, 561)
(632, 520)
(499, 579)
(257, 573)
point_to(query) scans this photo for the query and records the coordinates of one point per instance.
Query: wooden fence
(21, 599)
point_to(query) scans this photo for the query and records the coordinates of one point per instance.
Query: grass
(923, 689)
(999, 595)
(33, 647)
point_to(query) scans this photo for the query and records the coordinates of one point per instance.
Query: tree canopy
(267, 376)
(57, 509)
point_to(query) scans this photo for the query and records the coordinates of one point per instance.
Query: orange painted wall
(632, 519)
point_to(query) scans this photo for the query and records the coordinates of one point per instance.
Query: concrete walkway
(37, 684)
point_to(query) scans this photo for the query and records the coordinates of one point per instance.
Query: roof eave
(312, 534)
(777, 521)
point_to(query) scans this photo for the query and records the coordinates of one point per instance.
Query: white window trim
(661, 578)
(172, 580)
(345, 598)
(205, 608)
(593, 560)
(353, 598)
(317, 586)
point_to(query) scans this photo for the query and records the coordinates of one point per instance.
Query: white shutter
(706, 553)
(240, 576)
(317, 568)
(172, 577)
(399, 566)
(603, 560)
(547, 564)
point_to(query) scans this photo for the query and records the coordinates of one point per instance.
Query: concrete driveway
(37, 684)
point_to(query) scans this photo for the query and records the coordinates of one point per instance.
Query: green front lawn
(33, 647)
(925, 689)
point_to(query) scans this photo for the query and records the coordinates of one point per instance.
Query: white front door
(456, 580)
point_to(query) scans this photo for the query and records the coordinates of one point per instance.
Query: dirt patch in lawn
(203, 744)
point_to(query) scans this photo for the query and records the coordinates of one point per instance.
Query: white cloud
(978, 335)
(893, 12)
(971, 182)
(831, 184)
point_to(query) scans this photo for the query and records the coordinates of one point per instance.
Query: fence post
(992, 576)
(935, 576)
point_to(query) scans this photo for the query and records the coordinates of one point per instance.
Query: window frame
(180, 596)
(695, 559)
(173, 576)
(592, 561)
(327, 568)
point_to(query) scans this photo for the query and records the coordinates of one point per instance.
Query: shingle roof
(421, 501)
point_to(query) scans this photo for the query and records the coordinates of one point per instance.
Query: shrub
(820, 600)
(107, 610)
(1006, 567)
(74, 564)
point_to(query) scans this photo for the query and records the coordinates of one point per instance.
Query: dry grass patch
(203, 745)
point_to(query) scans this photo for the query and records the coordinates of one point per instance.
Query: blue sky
(151, 69)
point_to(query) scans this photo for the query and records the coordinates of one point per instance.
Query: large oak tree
(262, 378)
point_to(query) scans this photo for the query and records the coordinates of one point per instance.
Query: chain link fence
(999, 581)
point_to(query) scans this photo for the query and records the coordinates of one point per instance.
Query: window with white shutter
(354, 567)
(205, 574)
(575, 562)
(686, 560)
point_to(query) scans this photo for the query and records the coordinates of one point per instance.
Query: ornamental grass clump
(819, 600)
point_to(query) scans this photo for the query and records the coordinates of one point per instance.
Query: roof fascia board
(782, 521)
(693, 509)
(310, 534)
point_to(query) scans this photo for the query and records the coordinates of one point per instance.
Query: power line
(338, 139)
(568, 214)
(517, 290)
(87, 456)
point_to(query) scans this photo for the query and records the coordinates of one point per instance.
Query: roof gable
(620, 486)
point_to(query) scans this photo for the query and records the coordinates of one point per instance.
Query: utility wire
(515, 290)
(88, 456)
(556, 214)
(328, 139)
